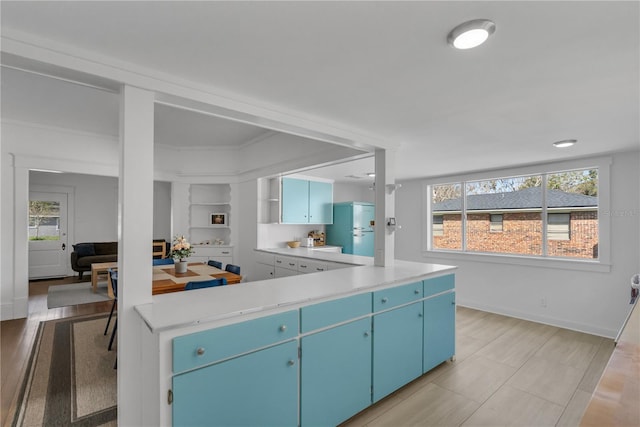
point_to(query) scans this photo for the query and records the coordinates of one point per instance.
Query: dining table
(165, 279)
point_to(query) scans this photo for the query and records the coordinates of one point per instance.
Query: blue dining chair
(235, 269)
(216, 264)
(113, 275)
(205, 284)
(163, 261)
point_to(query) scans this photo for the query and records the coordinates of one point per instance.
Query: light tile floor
(507, 372)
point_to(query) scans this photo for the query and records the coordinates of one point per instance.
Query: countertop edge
(400, 272)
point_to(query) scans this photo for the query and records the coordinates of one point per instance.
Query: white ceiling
(552, 70)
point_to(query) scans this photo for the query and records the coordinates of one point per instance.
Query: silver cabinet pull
(385, 299)
(283, 328)
(366, 334)
(200, 351)
(291, 362)
(417, 292)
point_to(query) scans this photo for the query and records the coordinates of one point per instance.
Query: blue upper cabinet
(295, 201)
(306, 202)
(320, 202)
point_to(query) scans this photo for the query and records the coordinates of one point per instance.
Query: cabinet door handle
(292, 264)
(225, 252)
(419, 314)
(303, 266)
(366, 334)
(291, 362)
(283, 328)
(278, 262)
(200, 351)
(417, 292)
(385, 299)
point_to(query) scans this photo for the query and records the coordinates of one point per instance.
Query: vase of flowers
(180, 251)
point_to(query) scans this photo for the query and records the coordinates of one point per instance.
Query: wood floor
(507, 371)
(17, 336)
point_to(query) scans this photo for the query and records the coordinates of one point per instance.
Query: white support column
(135, 233)
(21, 242)
(385, 207)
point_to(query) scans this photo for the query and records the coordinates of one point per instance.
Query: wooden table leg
(94, 280)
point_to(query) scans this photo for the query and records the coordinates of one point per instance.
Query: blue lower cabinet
(335, 380)
(397, 348)
(439, 330)
(259, 389)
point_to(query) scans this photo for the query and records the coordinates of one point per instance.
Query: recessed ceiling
(176, 127)
(385, 69)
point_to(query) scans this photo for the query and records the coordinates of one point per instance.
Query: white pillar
(135, 234)
(385, 207)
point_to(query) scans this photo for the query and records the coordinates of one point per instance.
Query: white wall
(162, 210)
(345, 192)
(594, 302)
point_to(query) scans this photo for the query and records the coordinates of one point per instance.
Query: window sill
(563, 264)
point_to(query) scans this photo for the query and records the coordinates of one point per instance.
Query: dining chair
(163, 261)
(235, 269)
(216, 264)
(205, 284)
(113, 276)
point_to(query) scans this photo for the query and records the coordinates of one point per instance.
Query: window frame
(601, 264)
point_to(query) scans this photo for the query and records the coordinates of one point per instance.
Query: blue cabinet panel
(397, 348)
(438, 284)
(257, 389)
(320, 202)
(335, 380)
(306, 202)
(331, 312)
(202, 348)
(295, 201)
(439, 330)
(392, 297)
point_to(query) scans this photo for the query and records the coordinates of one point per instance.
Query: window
(445, 200)
(558, 226)
(44, 220)
(495, 223)
(438, 225)
(512, 215)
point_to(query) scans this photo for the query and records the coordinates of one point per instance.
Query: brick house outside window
(572, 223)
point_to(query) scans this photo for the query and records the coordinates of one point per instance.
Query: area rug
(70, 379)
(76, 293)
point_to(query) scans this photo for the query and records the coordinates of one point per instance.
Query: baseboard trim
(551, 321)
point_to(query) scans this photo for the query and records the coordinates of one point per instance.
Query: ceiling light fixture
(471, 33)
(565, 143)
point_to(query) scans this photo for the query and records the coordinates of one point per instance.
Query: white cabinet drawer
(308, 266)
(285, 272)
(286, 262)
(265, 258)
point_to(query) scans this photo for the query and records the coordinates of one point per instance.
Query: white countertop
(212, 305)
(321, 254)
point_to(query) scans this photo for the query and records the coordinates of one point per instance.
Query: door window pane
(44, 220)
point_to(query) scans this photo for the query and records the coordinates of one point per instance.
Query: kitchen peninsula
(282, 351)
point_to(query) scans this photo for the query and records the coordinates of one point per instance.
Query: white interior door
(48, 252)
